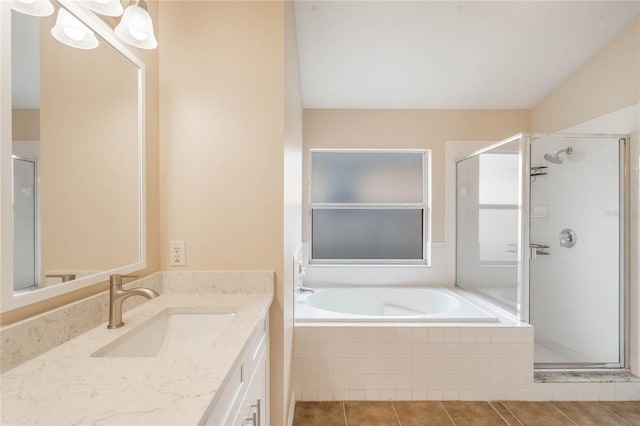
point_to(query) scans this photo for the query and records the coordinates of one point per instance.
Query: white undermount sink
(174, 332)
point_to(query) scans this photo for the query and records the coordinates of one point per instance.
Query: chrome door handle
(257, 412)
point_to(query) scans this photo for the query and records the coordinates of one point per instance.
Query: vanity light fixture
(71, 31)
(33, 7)
(136, 27)
(105, 7)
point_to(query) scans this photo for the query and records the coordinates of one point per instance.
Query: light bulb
(71, 31)
(137, 34)
(136, 28)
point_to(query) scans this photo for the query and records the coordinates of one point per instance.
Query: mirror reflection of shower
(555, 158)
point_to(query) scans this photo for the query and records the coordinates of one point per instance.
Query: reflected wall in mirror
(76, 147)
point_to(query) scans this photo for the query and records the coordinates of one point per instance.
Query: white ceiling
(448, 54)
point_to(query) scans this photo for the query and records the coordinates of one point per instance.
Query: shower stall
(540, 232)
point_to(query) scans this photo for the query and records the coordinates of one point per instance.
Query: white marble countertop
(66, 386)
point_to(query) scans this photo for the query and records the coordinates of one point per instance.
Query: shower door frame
(623, 242)
(523, 286)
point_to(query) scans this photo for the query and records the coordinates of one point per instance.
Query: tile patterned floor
(467, 413)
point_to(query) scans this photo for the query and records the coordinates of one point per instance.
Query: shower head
(555, 158)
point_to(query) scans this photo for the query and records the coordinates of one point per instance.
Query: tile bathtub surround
(430, 362)
(440, 413)
(27, 339)
(398, 362)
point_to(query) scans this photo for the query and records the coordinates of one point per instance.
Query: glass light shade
(33, 7)
(136, 28)
(105, 7)
(70, 31)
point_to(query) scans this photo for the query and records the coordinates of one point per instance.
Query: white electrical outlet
(177, 254)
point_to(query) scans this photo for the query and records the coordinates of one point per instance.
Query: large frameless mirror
(73, 160)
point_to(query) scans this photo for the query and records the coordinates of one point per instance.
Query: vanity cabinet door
(254, 408)
(243, 399)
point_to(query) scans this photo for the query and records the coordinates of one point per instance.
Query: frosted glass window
(367, 177)
(369, 206)
(499, 178)
(367, 234)
(498, 241)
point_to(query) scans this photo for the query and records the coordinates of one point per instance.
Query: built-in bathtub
(403, 343)
(392, 304)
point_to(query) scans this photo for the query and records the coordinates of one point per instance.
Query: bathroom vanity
(242, 399)
(87, 381)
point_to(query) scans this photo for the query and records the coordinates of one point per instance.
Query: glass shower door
(25, 227)
(574, 236)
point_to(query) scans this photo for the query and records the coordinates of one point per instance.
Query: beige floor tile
(589, 414)
(319, 414)
(370, 413)
(628, 410)
(421, 413)
(505, 414)
(472, 413)
(538, 413)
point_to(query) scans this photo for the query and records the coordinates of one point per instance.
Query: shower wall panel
(574, 291)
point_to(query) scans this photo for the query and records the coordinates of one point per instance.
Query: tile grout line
(500, 414)
(344, 413)
(512, 413)
(393, 406)
(446, 412)
(613, 412)
(563, 413)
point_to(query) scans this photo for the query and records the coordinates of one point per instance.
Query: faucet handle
(116, 279)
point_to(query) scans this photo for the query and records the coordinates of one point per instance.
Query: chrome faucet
(303, 289)
(117, 297)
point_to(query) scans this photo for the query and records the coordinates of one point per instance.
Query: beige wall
(150, 59)
(88, 157)
(25, 124)
(292, 187)
(607, 82)
(222, 110)
(406, 129)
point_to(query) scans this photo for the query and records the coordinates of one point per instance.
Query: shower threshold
(584, 375)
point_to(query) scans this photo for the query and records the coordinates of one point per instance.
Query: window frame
(425, 207)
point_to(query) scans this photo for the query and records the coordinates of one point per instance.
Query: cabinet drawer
(228, 400)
